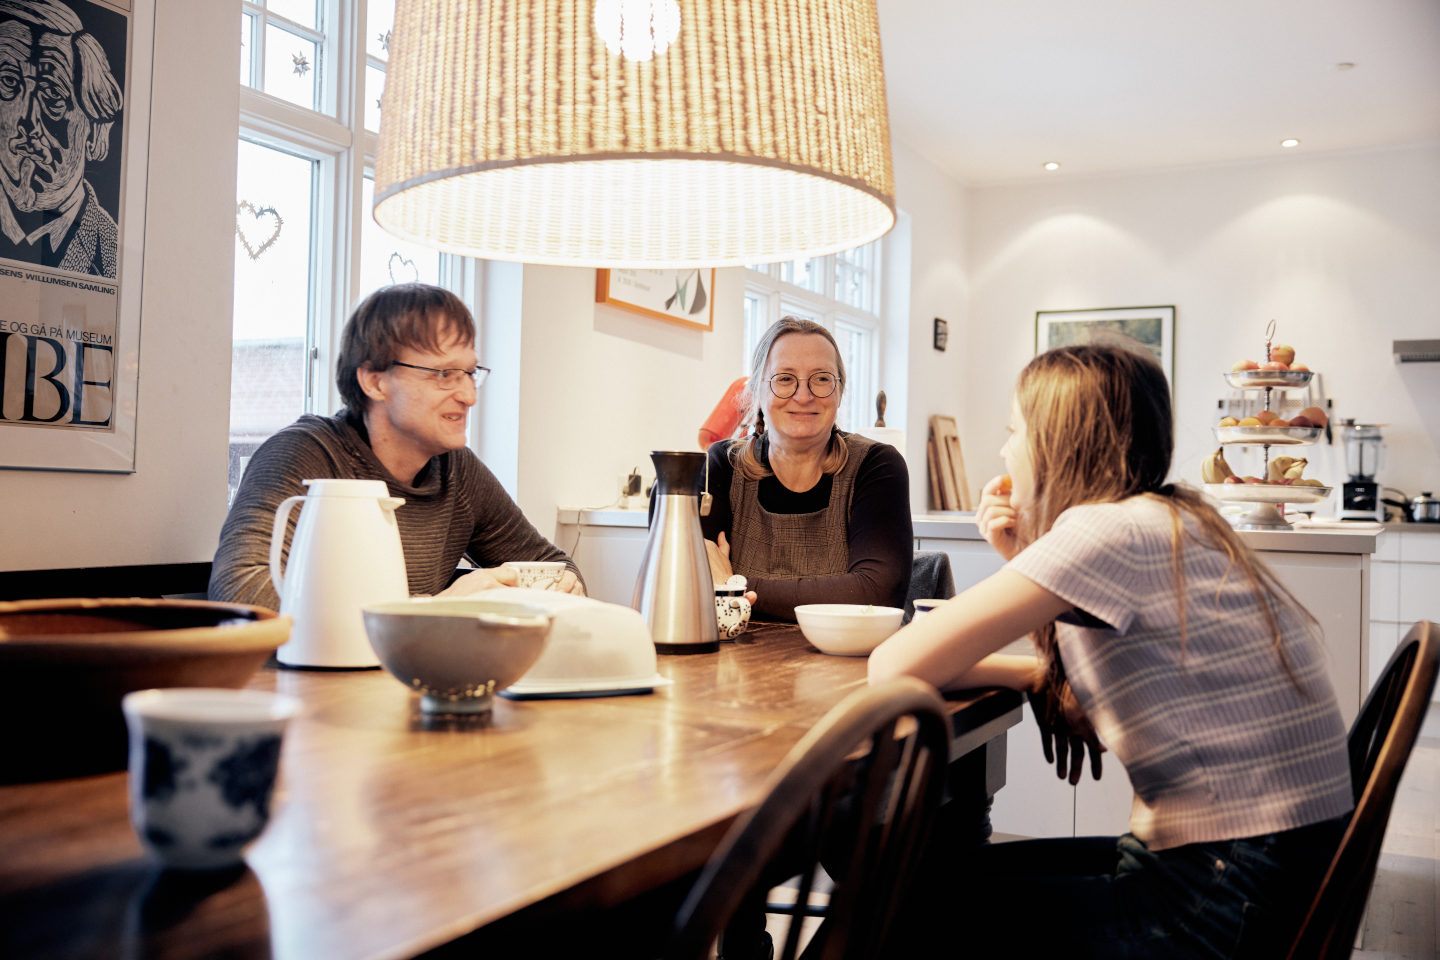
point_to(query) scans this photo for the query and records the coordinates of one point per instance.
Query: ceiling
(989, 90)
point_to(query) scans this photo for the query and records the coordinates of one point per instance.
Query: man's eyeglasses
(450, 378)
(784, 385)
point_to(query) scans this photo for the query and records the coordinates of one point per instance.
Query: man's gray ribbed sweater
(455, 508)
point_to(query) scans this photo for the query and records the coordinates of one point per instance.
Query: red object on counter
(726, 417)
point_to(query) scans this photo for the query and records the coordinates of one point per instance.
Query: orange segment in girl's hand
(1004, 484)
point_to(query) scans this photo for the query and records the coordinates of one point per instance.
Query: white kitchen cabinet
(607, 546)
(1404, 588)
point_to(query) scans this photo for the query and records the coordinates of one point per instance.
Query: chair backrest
(930, 578)
(1380, 743)
(860, 789)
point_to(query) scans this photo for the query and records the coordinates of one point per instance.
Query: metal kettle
(1425, 508)
(675, 592)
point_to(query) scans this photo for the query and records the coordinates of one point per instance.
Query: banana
(1285, 468)
(1214, 469)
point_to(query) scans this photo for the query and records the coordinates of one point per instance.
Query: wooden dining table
(394, 834)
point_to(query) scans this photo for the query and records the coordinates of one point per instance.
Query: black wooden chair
(861, 790)
(1380, 743)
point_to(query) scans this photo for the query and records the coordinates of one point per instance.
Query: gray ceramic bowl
(456, 653)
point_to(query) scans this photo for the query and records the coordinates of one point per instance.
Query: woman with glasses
(805, 512)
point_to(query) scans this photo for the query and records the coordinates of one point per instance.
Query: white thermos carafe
(345, 553)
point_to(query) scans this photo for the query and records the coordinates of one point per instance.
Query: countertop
(955, 525)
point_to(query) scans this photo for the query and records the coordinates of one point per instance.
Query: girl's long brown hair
(1099, 429)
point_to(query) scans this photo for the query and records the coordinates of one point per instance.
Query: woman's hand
(996, 517)
(719, 556)
(1065, 733)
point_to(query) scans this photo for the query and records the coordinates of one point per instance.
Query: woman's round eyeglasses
(451, 377)
(821, 385)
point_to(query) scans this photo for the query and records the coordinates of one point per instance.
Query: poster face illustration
(66, 105)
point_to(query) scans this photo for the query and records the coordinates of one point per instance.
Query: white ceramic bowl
(847, 629)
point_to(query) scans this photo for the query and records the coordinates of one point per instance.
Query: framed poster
(684, 296)
(1151, 327)
(75, 154)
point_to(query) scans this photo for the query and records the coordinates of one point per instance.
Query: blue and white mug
(202, 770)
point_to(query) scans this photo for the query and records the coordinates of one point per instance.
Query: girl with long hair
(1158, 633)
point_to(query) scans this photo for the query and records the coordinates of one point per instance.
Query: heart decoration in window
(403, 269)
(261, 218)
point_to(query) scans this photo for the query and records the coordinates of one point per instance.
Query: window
(842, 293)
(307, 249)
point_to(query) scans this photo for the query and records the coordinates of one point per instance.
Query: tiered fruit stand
(1265, 498)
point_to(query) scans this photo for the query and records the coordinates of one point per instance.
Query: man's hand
(569, 583)
(996, 517)
(1065, 732)
(477, 580)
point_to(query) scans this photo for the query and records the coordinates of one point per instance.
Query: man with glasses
(408, 375)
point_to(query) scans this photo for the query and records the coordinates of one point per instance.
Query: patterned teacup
(537, 574)
(732, 610)
(202, 769)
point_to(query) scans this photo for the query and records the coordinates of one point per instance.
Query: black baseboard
(144, 580)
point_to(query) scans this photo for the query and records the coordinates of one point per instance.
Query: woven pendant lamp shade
(509, 131)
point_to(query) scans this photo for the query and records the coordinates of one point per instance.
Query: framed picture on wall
(1151, 327)
(70, 327)
(686, 297)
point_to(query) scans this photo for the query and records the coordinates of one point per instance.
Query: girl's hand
(1065, 734)
(996, 517)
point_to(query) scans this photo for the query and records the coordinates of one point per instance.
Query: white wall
(601, 387)
(171, 508)
(1342, 250)
(937, 209)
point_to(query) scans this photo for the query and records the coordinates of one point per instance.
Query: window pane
(292, 67)
(272, 297)
(385, 259)
(247, 34)
(757, 321)
(302, 12)
(805, 273)
(854, 277)
(857, 408)
(374, 88)
(379, 18)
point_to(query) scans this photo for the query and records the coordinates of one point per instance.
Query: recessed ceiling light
(1290, 142)
(1052, 165)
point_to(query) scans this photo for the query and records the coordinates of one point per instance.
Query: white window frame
(345, 152)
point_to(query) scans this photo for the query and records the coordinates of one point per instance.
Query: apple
(1315, 415)
(1283, 352)
(1299, 366)
(1265, 416)
(1253, 480)
(1280, 422)
(1274, 365)
(1228, 422)
(1245, 365)
(1233, 479)
(1249, 422)
(1300, 420)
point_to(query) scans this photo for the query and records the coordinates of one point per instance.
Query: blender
(1364, 453)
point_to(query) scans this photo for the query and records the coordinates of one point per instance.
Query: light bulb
(637, 29)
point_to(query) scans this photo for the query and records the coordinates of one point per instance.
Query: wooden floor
(1405, 900)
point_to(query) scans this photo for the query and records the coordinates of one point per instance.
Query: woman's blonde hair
(744, 453)
(1099, 429)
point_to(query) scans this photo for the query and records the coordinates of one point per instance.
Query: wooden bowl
(65, 665)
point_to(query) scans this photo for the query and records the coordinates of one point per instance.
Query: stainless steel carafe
(675, 592)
